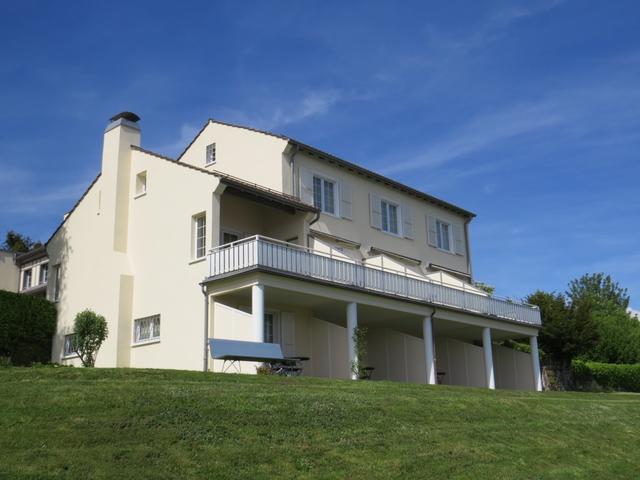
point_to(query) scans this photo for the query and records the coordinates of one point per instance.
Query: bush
(27, 326)
(607, 375)
(90, 330)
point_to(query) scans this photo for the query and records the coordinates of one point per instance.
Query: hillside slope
(78, 423)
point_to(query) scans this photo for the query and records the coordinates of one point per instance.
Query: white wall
(9, 273)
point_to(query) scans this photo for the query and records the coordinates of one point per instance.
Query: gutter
(467, 246)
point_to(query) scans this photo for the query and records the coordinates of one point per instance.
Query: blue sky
(527, 113)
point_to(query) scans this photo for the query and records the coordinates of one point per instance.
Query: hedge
(607, 375)
(27, 326)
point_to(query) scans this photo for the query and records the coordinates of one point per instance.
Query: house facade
(254, 236)
(26, 272)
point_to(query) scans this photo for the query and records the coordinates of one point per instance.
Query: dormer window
(211, 154)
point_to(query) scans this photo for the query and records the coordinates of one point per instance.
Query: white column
(352, 324)
(535, 358)
(257, 311)
(488, 357)
(427, 335)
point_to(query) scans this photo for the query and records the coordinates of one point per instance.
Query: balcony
(266, 254)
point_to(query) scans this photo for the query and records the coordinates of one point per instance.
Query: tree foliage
(590, 321)
(27, 326)
(90, 331)
(18, 243)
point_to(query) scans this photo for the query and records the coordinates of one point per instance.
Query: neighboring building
(9, 272)
(34, 271)
(289, 245)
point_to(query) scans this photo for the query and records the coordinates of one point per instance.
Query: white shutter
(288, 325)
(432, 233)
(458, 239)
(345, 200)
(376, 210)
(407, 221)
(306, 185)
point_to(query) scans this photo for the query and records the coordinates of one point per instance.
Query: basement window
(141, 184)
(69, 345)
(146, 329)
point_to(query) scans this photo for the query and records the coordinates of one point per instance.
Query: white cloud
(183, 138)
(482, 132)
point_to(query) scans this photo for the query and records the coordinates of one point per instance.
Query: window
(199, 236)
(211, 154)
(56, 283)
(389, 217)
(443, 235)
(26, 279)
(146, 329)
(271, 328)
(44, 273)
(141, 183)
(69, 345)
(324, 195)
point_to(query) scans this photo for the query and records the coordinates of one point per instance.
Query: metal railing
(259, 251)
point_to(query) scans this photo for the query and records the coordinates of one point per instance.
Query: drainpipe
(468, 249)
(296, 149)
(205, 359)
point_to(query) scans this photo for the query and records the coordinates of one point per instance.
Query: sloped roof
(344, 164)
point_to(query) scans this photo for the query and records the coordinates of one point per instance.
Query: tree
(18, 243)
(566, 331)
(600, 289)
(90, 331)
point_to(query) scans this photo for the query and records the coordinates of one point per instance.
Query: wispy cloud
(482, 132)
(282, 112)
(187, 132)
(23, 196)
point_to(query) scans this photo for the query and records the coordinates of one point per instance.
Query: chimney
(122, 132)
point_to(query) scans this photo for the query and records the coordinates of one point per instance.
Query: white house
(250, 235)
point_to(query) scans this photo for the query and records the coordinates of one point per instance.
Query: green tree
(600, 289)
(18, 243)
(567, 330)
(90, 331)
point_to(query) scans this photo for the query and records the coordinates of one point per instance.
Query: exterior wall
(248, 218)
(513, 369)
(251, 156)
(395, 356)
(89, 273)
(160, 253)
(359, 229)
(9, 273)
(462, 363)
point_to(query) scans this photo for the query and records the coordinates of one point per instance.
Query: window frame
(323, 181)
(68, 353)
(439, 236)
(44, 267)
(56, 282)
(195, 236)
(210, 147)
(155, 326)
(383, 211)
(25, 276)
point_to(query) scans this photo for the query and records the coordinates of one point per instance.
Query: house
(9, 272)
(25, 272)
(250, 235)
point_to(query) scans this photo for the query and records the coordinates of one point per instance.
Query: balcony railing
(275, 255)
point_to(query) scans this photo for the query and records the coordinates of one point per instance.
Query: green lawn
(116, 424)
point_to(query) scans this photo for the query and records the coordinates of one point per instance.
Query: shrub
(90, 330)
(607, 375)
(27, 326)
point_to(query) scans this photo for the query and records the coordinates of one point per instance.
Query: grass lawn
(116, 424)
